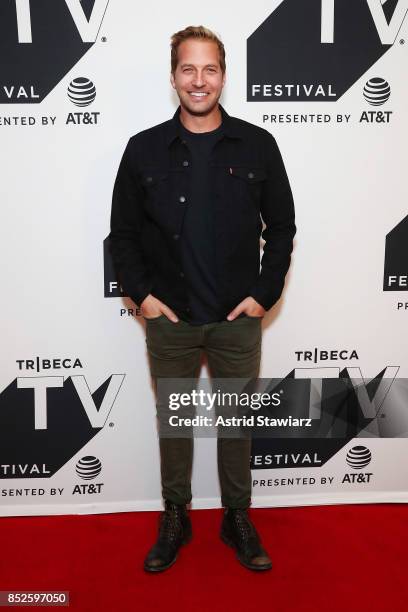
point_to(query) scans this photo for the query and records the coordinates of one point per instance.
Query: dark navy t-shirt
(198, 234)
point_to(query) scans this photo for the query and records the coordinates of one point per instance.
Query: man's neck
(197, 123)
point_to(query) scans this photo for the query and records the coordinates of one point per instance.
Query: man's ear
(173, 84)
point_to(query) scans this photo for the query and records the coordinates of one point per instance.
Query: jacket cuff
(141, 294)
(264, 298)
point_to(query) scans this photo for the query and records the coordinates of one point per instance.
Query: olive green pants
(233, 350)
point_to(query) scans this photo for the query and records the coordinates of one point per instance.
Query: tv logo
(46, 420)
(87, 28)
(42, 41)
(316, 50)
(386, 31)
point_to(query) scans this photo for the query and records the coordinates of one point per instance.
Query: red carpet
(347, 558)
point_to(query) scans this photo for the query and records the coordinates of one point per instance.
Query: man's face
(198, 78)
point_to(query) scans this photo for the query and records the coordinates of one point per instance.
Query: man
(185, 230)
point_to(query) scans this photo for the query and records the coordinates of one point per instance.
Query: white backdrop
(350, 189)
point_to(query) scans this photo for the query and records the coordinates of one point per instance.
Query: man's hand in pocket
(152, 308)
(250, 307)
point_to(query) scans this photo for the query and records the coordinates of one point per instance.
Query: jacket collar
(230, 128)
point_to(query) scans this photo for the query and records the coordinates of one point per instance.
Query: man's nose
(198, 80)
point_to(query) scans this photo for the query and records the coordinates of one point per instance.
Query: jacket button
(176, 236)
(182, 274)
(149, 179)
(185, 163)
(182, 199)
(188, 309)
(251, 175)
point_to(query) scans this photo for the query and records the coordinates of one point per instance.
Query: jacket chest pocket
(155, 185)
(245, 184)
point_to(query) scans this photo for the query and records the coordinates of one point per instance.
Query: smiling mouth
(198, 94)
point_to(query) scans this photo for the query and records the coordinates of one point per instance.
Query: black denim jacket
(152, 192)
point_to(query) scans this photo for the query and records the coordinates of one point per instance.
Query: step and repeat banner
(327, 78)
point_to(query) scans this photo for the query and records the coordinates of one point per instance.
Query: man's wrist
(261, 300)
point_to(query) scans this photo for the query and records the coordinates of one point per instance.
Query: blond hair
(200, 33)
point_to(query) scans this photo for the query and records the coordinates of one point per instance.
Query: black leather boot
(238, 531)
(174, 530)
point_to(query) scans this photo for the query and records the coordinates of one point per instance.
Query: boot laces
(244, 526)
(170, 525)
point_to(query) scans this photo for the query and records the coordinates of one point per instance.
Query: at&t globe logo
(358, 457)
(377, 91)
(81, 91)
(88, 467)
